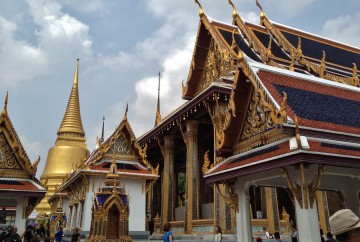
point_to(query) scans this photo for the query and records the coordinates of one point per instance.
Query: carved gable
(217, 64)
(123, 147)
(7, 158)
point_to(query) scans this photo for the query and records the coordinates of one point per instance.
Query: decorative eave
(317, 67)
(170, 121)
(28, 169)
(281, 154)
(96, 172)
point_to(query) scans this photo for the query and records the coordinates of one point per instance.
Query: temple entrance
(113, 223)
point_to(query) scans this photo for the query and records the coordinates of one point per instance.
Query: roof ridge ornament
(201, 11)
(4, 111)
(126, 111)
(262, 14)
(234, 13)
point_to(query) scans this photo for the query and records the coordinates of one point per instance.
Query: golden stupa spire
(71, 124)
(158, 114)
(4, 111)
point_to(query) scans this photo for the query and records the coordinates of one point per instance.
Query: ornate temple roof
(17, 173)
(121, 146)
(14, 162)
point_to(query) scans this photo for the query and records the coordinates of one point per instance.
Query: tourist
(218, 234)
(267, 234)
(345, 225)
(258, 239)
(322, 237)
(168, 237)
(58, 235)
(15, 237)
(28, 233)
(277, 237)
(329, 237)
(76, 236)
(294, 234)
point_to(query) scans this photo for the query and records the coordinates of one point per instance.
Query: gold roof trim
(71, 124)
(296, 53)
(254, 42)
(220, 44)
(277, 116)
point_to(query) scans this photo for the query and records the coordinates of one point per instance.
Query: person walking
(76, 236)
(218, 234)
(14, 236)
(277, 237)
(168, 237)
(59, 234)
(345, 225)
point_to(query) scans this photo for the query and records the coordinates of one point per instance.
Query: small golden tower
(110, 211)
(69, 149)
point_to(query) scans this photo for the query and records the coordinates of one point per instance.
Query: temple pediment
(14, 161)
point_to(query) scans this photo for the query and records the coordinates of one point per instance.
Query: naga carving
(230, 197)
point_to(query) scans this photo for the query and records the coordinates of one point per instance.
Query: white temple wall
(137, 217)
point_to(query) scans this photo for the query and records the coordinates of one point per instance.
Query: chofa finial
(201, 11)
(234, 13)
(4, 111)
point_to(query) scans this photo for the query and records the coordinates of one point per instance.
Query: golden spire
(4, 111)
(158, 114)
(201, 11)
(234, 13)
(71, 123)
(126, 110)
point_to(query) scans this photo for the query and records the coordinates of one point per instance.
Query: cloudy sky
(122, 45)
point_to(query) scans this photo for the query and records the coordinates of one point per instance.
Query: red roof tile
(20, 186)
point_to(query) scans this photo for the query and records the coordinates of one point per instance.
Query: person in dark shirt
(14, 235)
(76, 236)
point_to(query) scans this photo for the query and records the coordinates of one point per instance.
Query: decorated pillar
(168, 195)
(192, 175)
(243, 222)
(304, 187)
(272, 210)
(323, 210)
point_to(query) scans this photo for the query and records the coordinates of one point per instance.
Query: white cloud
(343, 29)
(34, 149)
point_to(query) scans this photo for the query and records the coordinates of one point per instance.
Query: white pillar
(307, 221)
(20, 221)
(78, 217)
(73, 219)
(69, 218)
(243, 227)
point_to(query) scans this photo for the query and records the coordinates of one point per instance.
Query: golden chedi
(69, 149)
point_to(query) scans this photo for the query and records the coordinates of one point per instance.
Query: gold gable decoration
(14, 161)
(217, 64)
(123, 146)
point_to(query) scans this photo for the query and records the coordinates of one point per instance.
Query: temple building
(69, 149)
(269, 136)
(136, 175)
(20, 190)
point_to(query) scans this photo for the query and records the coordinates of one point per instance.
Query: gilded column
(168, 196)
(192, 175)
(323, 210)
(272, 210)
